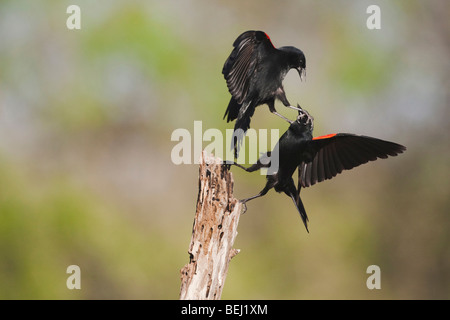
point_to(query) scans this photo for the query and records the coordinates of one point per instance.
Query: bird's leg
(272, 109)
(242, 167)
(252, 197)
(228, 164)
(243, 201)
(284, 100)
(254, 167)
(295, 108)
(282, 117)
(262, 193)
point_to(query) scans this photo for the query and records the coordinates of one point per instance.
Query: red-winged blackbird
(254, 72)
(317, 159)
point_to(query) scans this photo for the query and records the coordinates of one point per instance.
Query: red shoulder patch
(325, 136)
(268, 38)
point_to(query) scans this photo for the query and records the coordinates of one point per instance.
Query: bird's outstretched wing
(243, 61)
(334, 153)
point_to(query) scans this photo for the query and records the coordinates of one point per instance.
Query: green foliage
(47, 226)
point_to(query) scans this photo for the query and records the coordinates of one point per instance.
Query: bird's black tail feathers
(240, 128)
(300, 208)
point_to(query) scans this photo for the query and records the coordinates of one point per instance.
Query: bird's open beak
(301, 72)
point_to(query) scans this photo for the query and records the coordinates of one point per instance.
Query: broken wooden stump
(213, 233)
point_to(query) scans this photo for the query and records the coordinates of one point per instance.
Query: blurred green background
(86, 177)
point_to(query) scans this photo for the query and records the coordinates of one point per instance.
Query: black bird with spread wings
(254, 73)
(317, 159)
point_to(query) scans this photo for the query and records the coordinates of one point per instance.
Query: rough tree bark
(213, 233)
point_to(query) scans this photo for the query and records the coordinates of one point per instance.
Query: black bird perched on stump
(254, 72)
(317, 159)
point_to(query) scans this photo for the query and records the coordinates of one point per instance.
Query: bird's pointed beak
(300, 112)
(301, 72)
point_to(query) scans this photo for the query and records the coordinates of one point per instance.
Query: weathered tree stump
(213, 233)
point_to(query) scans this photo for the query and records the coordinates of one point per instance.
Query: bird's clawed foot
(244, 206)
(305, 117)
(282, 117)
(226, 165)
(302, 111)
